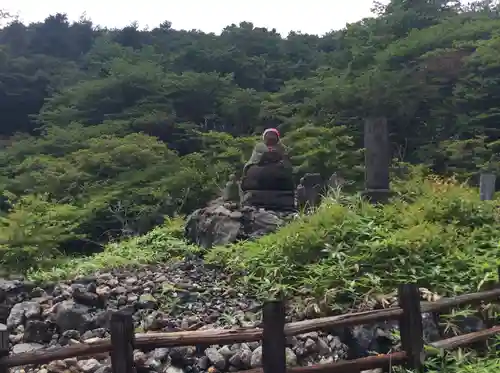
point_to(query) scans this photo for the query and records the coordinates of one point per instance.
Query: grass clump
(462, 361)
(435, 232)
(159, 245)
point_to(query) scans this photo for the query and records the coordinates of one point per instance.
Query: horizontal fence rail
(409, 313)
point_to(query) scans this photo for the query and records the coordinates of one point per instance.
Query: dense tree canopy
(104, 132)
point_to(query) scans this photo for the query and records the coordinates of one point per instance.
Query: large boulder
(222, 223)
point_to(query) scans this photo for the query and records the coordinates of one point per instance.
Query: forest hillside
(105, 133)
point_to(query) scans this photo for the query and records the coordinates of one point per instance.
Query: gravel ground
(186, 295)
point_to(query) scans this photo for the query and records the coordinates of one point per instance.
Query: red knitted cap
(271, 130)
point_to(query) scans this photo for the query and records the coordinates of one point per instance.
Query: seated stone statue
(309, 191)
(231, 192)
(269, 150)
(264, 154)
(301, 195)
(267, 177)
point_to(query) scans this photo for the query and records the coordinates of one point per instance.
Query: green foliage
(324, 150)
(106, 134)
(33, 229)
(435, 232)
(465, 158)
(466, 362)
(158, 245)
(120, 185)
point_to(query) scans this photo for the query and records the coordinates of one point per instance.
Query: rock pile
(222, 223)
(186, 295)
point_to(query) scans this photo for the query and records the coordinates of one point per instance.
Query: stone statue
(267, 179)
(313, 184)
(336, 181)
(232, 192)
(301, 195)
(268, 151)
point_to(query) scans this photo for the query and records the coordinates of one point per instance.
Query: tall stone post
(377, 160)
(487, 183)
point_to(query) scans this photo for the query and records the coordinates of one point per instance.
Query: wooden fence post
(487, 186)
(4, 345)
(122, 342)
(410, 326)
(273, 337)
(377, 160)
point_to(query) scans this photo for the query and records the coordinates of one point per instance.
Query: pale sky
(310, 16)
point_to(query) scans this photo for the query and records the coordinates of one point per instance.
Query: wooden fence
(273, 333)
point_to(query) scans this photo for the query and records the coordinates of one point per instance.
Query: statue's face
(271, 138)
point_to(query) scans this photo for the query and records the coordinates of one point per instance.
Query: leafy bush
(466, 362)
(444, 238)
(157, 246)
(31, 232)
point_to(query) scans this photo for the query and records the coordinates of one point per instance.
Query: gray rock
(291, 358)
(225, 230)
(21, 312)
(140, 358)
(339, 349)
(226, 352)
(266, 221)
(216, 358)
(131, 280)
(26, 347)
(155, 321)
(80, 295)
(222, 223)
(103, 291)
(37, 332)
(203, 363)
(172, 369)
(58, 366)
(160, 354)
(327, 360)
(310, 346)
(7, 286)
(103, 369)
(236, 360)
(363, 336)
(181, 356)
(89, 366)
(153, 364)
(72, 316)
(322, 347)
(246, 358)
(147, 301)
(256, 360)
(251, 345)
(119, 290)
(312, 335)
(75, 334)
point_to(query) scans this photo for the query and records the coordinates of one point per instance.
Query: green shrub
(442, 237)
(33, 229)
(158, 246)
